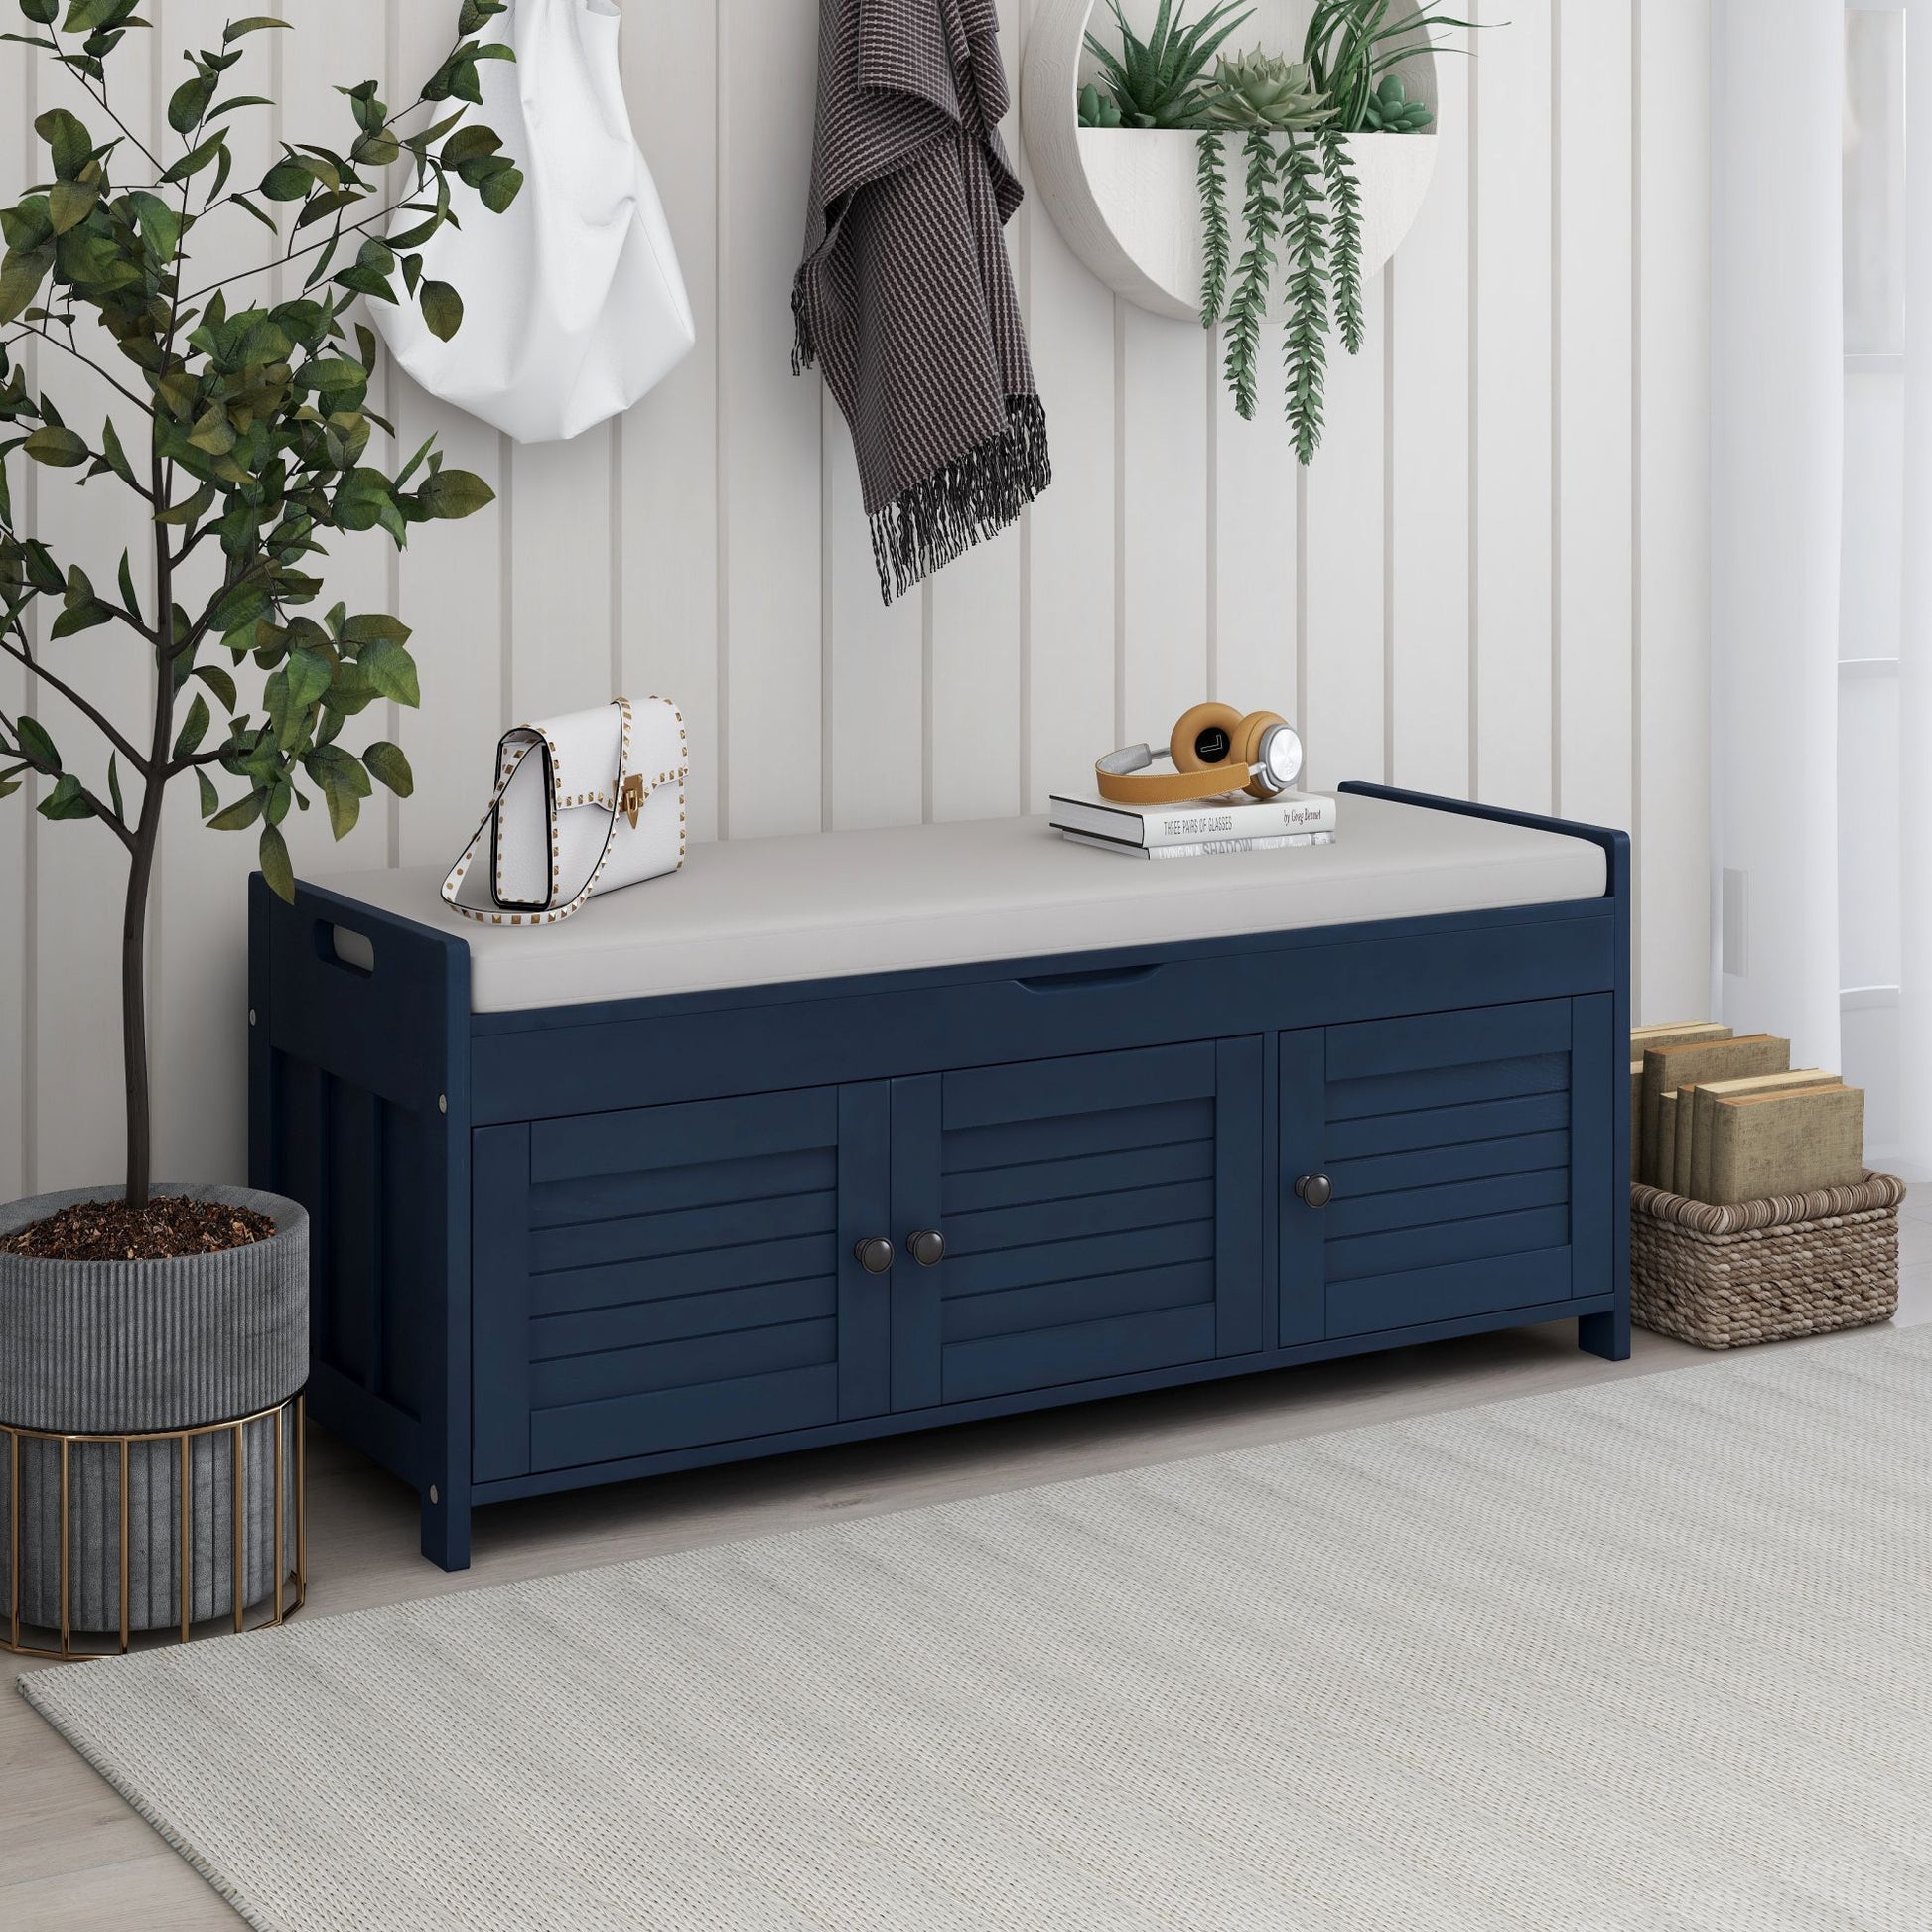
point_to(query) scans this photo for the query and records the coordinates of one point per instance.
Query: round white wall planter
(1126, 199)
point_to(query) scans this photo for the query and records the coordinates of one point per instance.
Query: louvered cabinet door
(1445, 1166)
(672, 1276)
(1102, 1217)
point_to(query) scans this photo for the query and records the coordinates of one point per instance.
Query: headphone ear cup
(1247, 735)
(1247, 746)
(1195, 726)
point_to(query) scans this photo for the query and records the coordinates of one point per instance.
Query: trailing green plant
(1345, 194)
(1210, 175)
(1160, 81)
(253, 445)
(1305, 337)
(1302, 200)
(1351, 45)
(1262, 216)
(1391, 111)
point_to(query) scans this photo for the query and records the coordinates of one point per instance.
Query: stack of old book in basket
(1753, 1215)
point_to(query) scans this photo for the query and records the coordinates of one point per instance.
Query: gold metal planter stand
(290, 1581)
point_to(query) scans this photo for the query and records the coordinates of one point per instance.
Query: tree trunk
(134, 1022)
(140, 872)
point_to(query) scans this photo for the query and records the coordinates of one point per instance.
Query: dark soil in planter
(167, 1228)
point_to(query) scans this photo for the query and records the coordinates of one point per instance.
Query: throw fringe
(803, 351)
(972, 498)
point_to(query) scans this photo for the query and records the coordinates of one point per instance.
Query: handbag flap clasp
(631, 799)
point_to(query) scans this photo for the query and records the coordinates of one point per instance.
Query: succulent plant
(1265, 90)
(1389, 110)
(1158, 82)
(1353, 44)
(1098, 109)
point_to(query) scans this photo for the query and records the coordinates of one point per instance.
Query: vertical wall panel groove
(1637, 839)
(80, 870)
(1513, 432)
(1595, 372)
(670, 543)
(16, 821)
(1121, 327)
(925, 702)
(1343, 570)
(1406, 598)
(1673, 473)
(392, 384)
(773, 426)
(1070, 581)
(1556, 404)
(614, 484)
(1301, 605)
(454, 600)
(1029, 218)
(1389, 338)
(972, 635)
(828, 670)
(1164, 536)
(1428, 634)
(1255, 585)
(197, 982)
(720, 442)
(1210, 523)
(875, 661)
(1473, 326)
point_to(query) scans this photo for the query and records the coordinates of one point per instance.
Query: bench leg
(446, 1527)
(1606, 1334)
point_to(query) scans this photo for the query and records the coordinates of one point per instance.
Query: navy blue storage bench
(829, 1138)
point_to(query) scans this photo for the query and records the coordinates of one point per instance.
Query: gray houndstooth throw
(905, 295)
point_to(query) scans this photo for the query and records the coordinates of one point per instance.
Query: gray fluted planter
(95, 1347)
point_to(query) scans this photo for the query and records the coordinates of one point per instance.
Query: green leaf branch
(257, 440)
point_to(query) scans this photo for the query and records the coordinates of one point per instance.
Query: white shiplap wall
(1493, 580)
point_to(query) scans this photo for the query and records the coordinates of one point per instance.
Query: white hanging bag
(573, 302)
(584, 803)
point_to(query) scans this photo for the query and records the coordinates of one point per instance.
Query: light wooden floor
(74, 1856)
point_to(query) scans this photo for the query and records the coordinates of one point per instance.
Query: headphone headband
(1124, 777)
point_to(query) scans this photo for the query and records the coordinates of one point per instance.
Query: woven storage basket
(1765, 1269)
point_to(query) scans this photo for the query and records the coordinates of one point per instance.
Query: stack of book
(1724, 1117)
(1200, 829)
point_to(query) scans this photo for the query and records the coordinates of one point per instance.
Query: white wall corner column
(1914, 1083)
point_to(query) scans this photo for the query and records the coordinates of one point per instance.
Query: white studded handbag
(584, 803)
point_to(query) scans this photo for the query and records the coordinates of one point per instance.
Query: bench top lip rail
(855, 905)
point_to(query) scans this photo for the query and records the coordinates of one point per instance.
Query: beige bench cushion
(756, 912)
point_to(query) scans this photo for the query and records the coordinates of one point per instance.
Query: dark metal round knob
(875, 1254)
(926, 1246)
(1316, 1189)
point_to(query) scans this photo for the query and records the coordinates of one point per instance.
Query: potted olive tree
(240, 427)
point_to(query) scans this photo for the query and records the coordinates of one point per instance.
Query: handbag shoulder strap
(555, 913)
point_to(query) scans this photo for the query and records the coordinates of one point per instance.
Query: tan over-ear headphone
(1215, 749)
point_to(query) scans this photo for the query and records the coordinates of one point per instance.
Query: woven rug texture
(1651, 1654)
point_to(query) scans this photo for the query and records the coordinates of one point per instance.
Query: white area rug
(1652, 1654)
